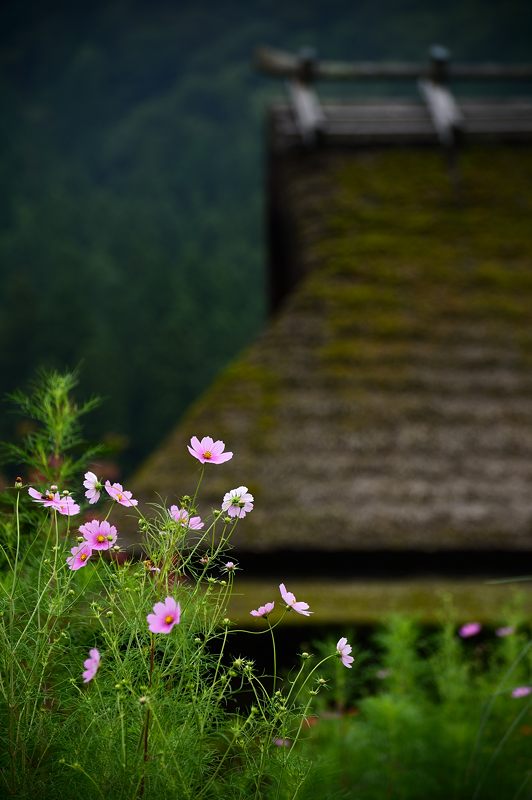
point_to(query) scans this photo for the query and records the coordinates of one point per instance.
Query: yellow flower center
(100, 538)
(168, 619)
(207, 454)
(83, 557)
(119, 497)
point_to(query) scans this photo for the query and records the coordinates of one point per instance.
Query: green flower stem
(41, 564)
(78, 768)
(202, 473)
(56, 546)
(216, 671)
(111, 506)
(257, 633)
(311, 673)
(300, 728)
(274, 656)
(252, 681)
(489, 705)
(146, 731)
(11, 701)
(222, 760)
(17, 551)
(184, 785)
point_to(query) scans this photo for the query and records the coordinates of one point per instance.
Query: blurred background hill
(131, 237)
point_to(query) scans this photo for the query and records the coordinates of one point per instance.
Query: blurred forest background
(131, 161)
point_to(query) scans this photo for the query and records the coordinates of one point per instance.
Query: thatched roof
(389, 403)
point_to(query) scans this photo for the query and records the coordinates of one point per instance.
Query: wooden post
(446, 116)
(309, 116)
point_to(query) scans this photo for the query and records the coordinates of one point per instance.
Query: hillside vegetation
(130, 164)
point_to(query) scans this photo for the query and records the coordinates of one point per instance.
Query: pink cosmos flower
(119, 494)
(470, 629)
(208, 451)
(67, 506)
(48, 498)
(93, 486)
(263, 611)
(80, 555)
(279, 742)
(344, 650)
(181, 515)
(229, 566)
(100, 535)
(238, 502)
(382, 674)
(165, 616)
(52, 499)
(506, 630)
(91, 665)
(290, 600)
(522, 691)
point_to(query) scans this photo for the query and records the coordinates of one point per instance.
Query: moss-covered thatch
(370, 601)
(389, 404)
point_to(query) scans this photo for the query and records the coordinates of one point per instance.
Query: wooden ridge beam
(281, 64)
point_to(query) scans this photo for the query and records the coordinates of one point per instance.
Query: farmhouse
(383, 420)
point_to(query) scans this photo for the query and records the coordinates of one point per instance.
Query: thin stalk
(522, 714)
(489, 705)
(79, 768)
(274, 656)
(311, 673)
(198, 486)
(12, 705)
(146, 732)
(17, 551)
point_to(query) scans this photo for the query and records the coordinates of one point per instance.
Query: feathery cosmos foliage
(161, 707)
